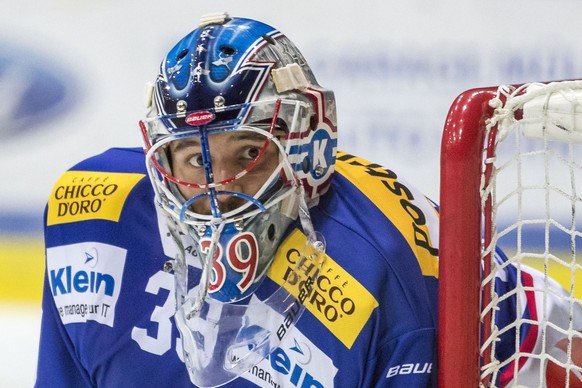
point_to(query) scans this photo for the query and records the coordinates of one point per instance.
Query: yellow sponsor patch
(396, 202)
(88, 195)
(336, 298)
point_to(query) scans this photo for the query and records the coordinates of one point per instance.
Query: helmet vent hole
(182, 54)
(271, 232)
(227, 50)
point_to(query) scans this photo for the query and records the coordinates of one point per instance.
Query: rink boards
(22, 269)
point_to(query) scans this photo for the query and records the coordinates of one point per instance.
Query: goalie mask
(240, 141)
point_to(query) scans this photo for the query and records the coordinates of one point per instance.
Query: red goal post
(510, 157)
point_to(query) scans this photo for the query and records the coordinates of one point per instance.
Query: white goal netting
(532, 200)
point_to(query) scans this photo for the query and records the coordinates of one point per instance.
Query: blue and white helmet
(234, 78)
(235, 74)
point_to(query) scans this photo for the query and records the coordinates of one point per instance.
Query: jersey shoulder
(121, 160)
(389, 212)
(98, 188)
(381, 238)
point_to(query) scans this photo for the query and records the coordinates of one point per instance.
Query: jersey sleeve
(407, 361)
(57, 361)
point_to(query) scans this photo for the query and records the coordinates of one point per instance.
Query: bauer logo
(295, 362)
(85, 280)
(87, 195)
(410, 369)
(336, 298)
(199, 118)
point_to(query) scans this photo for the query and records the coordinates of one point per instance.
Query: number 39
(242, 255)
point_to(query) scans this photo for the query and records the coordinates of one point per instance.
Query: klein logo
(284, 363)
(296, 362)
(68, 280)
(85, 280)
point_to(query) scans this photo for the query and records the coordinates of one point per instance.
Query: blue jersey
(108, 305)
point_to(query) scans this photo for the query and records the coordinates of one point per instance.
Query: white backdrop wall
(72, 73)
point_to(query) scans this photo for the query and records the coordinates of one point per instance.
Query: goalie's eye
(196, 160)
(251, 152)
